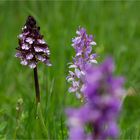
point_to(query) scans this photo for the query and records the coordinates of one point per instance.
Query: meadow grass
(115, 25)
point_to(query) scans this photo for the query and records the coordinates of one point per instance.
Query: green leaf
(3, 126)
(130, 117)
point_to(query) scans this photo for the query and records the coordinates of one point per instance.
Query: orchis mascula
(32, 49)
(83, 47)
(103, 92)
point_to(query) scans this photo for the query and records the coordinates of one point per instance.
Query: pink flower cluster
(82, 44)
(32, 47)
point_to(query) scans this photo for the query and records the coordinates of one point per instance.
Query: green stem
(41, 119)
(36, 85)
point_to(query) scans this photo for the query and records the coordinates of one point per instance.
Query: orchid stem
(36, 85)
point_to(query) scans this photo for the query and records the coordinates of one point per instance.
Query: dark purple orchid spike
(32, 49)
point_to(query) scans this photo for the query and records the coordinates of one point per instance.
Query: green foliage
(129, 120)
(116, 27)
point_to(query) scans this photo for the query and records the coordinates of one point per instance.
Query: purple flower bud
(29, 56)
(25, 47)
(24, 62)
(32, 65)
(32, 47)
(29, 40)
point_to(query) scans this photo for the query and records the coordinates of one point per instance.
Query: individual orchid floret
(103, 92)
(32, 47)
(82, 44)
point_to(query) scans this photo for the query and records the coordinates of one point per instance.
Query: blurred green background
(116, 28)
